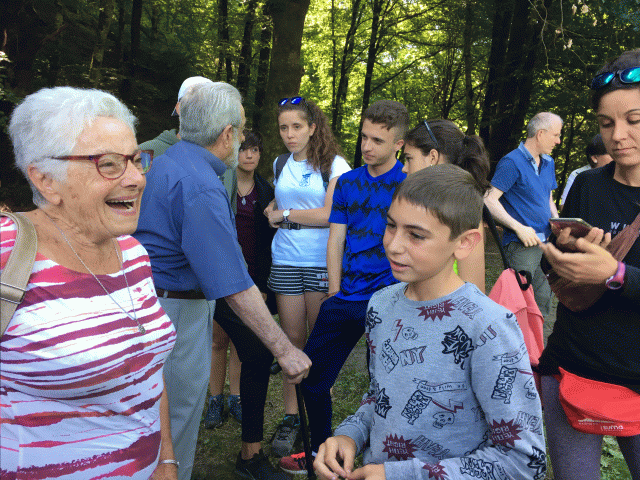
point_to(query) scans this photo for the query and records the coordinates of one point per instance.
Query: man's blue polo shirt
(187, 226)
(526, 190)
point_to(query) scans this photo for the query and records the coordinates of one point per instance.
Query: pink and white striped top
(80, 386)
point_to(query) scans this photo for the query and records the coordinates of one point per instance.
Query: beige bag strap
(16, 273)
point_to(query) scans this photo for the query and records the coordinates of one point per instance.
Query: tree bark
(515, 47)
(345, 66)
(224, 59)
(372, 54)
(285, 70)
(470, 111)
(107, 7)
(263, 72)
(244, 66)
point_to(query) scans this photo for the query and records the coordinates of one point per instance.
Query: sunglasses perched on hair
(433, 137)
(628, 75)
(113, 165)
(297, 101)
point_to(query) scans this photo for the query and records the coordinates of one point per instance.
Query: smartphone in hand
(579, 228)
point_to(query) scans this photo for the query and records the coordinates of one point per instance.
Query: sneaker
(258, 468)
(295, 464)
(235, 407)
(215, 412)
(285, 436)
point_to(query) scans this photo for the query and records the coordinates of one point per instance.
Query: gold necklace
(141, 328)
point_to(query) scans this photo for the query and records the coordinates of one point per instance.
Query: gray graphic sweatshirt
(452, 395)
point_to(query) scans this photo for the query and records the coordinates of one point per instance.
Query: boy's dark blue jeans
(339, 326)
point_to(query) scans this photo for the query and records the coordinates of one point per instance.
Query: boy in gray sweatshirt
(452, 395)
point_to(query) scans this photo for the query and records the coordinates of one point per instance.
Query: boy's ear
(467, 242)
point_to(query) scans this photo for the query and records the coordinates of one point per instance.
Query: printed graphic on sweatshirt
(488, 334)
(398, 447)
(538, 463)
(436, 471)
(477, 468)
(412, 355)
(439, 311)
(415, 406)
(513, 357)
(504, 434)
(466, 307)
(530, 386)
(529, 422)
(432, 448)
(372, 347)
(459, 344)
(427, 387)
(371, 320)
(382, 405)
(441, 419)
(408, 333)
(504, 384)
(388, 356)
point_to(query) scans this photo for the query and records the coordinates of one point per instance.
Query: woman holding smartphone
(599, 347)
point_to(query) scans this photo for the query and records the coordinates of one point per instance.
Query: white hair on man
(47, 124)
(206, 110)
(542, 121)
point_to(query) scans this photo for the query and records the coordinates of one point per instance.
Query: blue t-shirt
(187, 226)
(526, 190)
(361, 201)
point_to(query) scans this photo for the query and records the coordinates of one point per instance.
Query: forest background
(487, 65)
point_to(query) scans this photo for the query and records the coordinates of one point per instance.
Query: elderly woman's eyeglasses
(113, 165)
(628, 75)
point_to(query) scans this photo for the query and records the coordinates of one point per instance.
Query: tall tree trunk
(224, 59)
(372, 54)
(262, 78)
(244, 66)
(345, 67)
(126, 86)
(107, 8)
(510, 74)
(118, 47)
(285, 70)
(469, 108)
(155, 22)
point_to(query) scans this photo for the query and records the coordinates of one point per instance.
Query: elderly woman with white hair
(82, 391)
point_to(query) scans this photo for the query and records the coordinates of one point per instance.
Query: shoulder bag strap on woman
(16, 273)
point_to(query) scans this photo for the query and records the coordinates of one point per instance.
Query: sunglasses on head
(628, 75)
(297, 101)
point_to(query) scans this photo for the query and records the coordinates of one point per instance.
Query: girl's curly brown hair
(323, 146)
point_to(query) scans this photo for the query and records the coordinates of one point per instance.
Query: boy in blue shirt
(356, 263)
(452, 395)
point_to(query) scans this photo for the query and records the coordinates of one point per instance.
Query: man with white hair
(170, 137)
(521, 199)
(187, 226)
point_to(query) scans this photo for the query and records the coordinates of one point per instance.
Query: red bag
(599, 408)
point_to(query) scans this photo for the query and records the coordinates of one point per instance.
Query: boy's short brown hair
(391, 114)
(448, 192)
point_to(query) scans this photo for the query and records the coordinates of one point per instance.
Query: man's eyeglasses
(628, 75)
(433, 137)
(113, 165)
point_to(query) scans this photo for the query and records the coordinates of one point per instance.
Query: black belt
(186, 295)
(297, 226)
